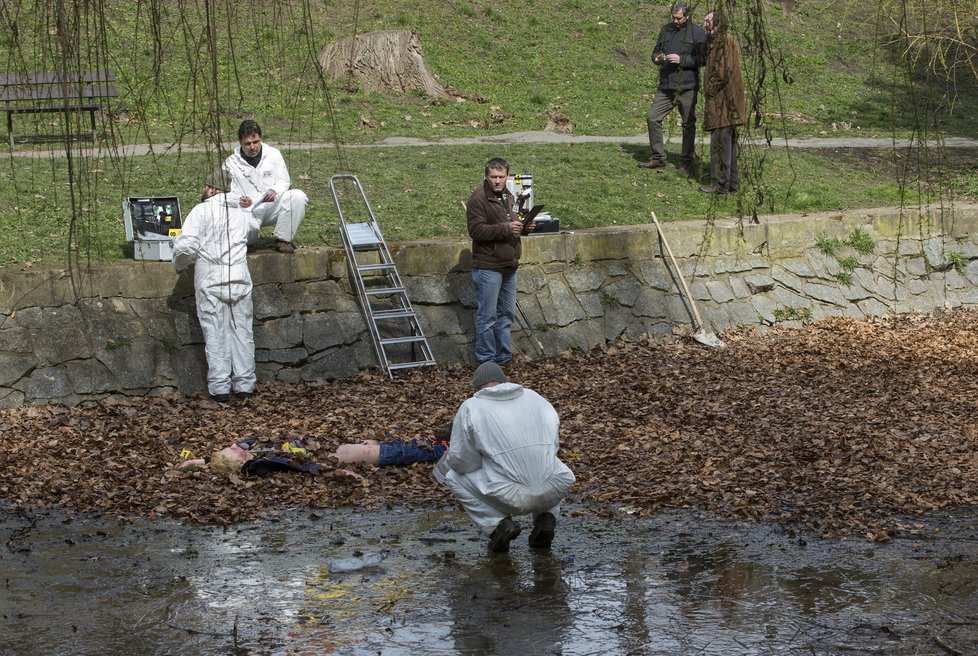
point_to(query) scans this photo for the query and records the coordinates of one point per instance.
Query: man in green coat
(725, 107)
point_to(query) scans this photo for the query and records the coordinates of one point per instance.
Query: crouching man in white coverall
(215, 235)
(502, 460)
(261, 183)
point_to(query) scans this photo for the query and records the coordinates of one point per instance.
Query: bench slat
(72, 92)
(56, 77)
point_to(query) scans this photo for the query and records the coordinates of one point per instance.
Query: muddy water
(676, 584)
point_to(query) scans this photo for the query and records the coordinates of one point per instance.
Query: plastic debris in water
(338, 565)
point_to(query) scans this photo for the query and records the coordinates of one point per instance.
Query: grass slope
(190, 71)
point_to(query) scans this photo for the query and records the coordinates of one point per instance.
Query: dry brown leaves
(846, 427)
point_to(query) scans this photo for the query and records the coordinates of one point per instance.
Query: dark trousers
(723, 158)
(662, 104)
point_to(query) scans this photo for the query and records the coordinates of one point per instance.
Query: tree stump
(388, 61)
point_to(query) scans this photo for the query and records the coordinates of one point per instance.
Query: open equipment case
(518, 183)
(151, 224)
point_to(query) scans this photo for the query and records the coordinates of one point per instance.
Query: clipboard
(532, 214)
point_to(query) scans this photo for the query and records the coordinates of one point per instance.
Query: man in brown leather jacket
(495, 230)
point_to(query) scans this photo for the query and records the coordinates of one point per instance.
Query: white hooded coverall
(502, 460)
(216, 235)
(288, 209)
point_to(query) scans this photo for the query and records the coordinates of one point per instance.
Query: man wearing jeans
(495, 230)
(679, 53)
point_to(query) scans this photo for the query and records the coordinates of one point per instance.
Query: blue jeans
(406, 452)
(495, 296)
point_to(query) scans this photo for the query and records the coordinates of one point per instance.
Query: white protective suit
(288, 209)
(502, 460)
(215, 234)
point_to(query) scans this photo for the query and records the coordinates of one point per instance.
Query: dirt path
(530, 137)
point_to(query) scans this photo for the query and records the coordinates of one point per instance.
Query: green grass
(587, 59)
(416, 192)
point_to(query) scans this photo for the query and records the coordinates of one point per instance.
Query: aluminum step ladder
(397, 336)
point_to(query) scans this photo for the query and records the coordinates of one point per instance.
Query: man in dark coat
(725, 107)
(495, 230)
(679, 53)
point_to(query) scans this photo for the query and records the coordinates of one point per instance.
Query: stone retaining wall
(130, 327)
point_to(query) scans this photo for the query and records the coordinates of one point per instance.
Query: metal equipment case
(151, 224)
(523, 182)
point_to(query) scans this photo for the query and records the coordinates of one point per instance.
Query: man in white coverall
(215, 235)
(261, 183)
(502, 460)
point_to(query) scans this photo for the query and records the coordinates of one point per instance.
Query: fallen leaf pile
(847, 427)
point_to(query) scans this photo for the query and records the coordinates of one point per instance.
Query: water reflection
(510, 604)
(673, 585)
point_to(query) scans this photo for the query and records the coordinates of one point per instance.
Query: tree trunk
(386, 62)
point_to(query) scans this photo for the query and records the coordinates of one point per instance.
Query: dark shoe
(284, 246)
(242, 396)
(686, 169)
(221, 398)
(543, 531)
(713, 189)
(506, 531)
(652, 164)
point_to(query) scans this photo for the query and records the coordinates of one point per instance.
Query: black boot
(506, 531)
(542, 535)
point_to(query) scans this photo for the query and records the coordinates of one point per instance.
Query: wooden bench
(67, 93)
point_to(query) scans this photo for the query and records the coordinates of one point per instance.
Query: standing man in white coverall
(261, 183)
(216, 235)
(502, 460)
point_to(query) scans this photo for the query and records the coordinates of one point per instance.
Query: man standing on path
(724, 104)
(262, 184)
(679, 53)
(495, 230)
(215, 236)
(502, 460)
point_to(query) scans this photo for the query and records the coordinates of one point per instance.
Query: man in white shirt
(260, 180)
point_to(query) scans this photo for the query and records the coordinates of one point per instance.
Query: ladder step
(375, 267)
(403, 340)
(408, 365)
(394, 314)
(385, 291)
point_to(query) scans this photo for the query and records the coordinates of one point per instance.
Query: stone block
(726, 265)
(279, 333)
(48, 383)
(584, 279)
(739, 288)
(57, 333)
(564, 305)
(284, 356)
(320, 295)
(190, 369)
(270, 302)
(592, 303)
(11, 398)
(431, 290)
(327, 330)
(797, 266)
(654, 274)
(720, 291)
(90, 377)
(140, 363)
(13, 366)
(825, 294)
(759, 284)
